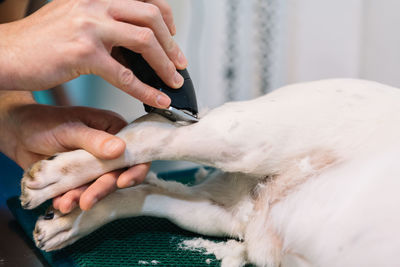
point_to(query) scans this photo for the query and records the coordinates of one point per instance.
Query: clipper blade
(174, 114)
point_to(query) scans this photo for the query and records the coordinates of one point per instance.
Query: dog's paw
(35, 181)
(56, 230)
(56, 175)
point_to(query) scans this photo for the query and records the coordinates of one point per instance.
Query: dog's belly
(347, 216)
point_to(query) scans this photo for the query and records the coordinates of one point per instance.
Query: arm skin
(30, 132)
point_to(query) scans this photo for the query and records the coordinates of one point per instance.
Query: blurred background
(240, 49)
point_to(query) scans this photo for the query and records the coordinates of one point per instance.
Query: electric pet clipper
(183, 100)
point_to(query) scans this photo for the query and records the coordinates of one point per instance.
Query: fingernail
(93, 202)
(131, 183)
(66, 208)
(173, 30)
(163, 101)
(178, 79)
(112, 145)
(182, 59)
(71, 207)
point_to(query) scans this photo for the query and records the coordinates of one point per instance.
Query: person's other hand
(88, 195)
(66, 39)
(35, 132)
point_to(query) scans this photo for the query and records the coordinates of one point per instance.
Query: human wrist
(8, 135)
(8, 56)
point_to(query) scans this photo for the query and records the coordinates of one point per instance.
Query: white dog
(310, 176)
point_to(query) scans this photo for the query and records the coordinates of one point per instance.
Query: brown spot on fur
(65, 170)
(36, 231)
(69, 168)
(321, 159)
(37, 167)
(22, 187)
(129, 136)
(216, 203)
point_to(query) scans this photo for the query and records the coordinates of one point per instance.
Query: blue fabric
(43, 97)
(10, 177)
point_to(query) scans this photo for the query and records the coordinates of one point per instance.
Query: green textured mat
(126, 242)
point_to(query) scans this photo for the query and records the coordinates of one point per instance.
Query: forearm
(8, 60)
(10, 100)
(10, 12)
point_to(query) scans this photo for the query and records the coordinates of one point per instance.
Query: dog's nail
(26, 205)
(49, 215)
(52, 157)
(40, 237)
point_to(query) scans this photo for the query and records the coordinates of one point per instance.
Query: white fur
(231, 253)
(310, 176)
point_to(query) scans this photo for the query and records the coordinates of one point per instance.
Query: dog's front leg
(226, 138)
(149, 138)
(65, 171)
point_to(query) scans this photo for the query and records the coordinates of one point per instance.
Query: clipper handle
(183, 98)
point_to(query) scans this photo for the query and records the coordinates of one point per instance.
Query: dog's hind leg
(185, 206)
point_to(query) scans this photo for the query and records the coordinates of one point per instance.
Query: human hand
(66, 39)
(88, 195)
(38, 131)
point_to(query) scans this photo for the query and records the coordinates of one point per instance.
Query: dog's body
(310, 177)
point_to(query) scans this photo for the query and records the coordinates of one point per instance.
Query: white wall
(380, 45)
(323, 39)
(343, 38)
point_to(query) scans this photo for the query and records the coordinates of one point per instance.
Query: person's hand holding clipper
(66, 39)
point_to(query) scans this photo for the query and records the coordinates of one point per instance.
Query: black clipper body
(183, 100)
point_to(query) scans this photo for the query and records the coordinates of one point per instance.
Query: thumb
(99, 143)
